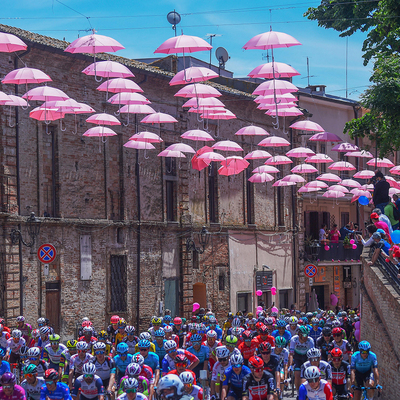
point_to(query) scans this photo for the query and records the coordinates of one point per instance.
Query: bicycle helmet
(34, 352)
(256, 362)
(123, 348)
(71, 344)
(236, 322)
(269, 321)
(246, 335)
(305, 320)
(156, 321)
(21, 318)
(321, 323)
(87, 330)
(229, 315)
(221, 352)
(82, 346)
(336, 323)
(313, 353)
(23, 351)
(99, 346)
(41, 321)
(159, 333)
(181, 358)
(168, 329)
(263, 330)
(167, 318)
(280, 341)
(236, 359)
(52, 374)
(364, 346)
(186, 377)
(231, 340)
(44, 330)
(309, 315)
(86, 323)
(133, 369)
(8, 378)
(303, 330)
(145, 344)
(281, 323)
(337, 331)
(314, 321)
(336, 352)
(114, 319)
(293, 321)
(145, 336)
(16, 333)
(89, 369)
(212, 319)
(103, 335)
(170, 382)
(169, 345)
(326, 331)
(177, 321)
(54, 338)
(138, 359)
(35, 333)
(236, 331)
(265, 346)
(211, 334)
(30, 369)
(312, 373)
(195, 338)
(121, 323)
(130, 383)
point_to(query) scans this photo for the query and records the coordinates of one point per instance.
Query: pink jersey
(18, 394)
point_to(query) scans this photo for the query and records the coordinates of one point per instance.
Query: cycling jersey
(76, 363)
(151, 360)
(26, 331)
(323, 392)
(345, 347)
(324, 367)
(43, 342)
(4, 340)
(258, 390)
(15, 346)
(181, 333)
(104, 369)
(142, 388)
(147, 372)
(218, 370)
(196, 393)
(33, 391)
(18, 394)
(247, 351)
(51, 356)
(42, 366)
(292, 329)
(268, 339)
(168, 363)
(152, 348)
(216, 329)
(119, 337)
(286, 335)
(272, 365)
(236, 381)
(121, 364)
(131, 344)
(358, 364)
(89, 390)
(315, 334)
(60, 393)
(160, 351)
(4, 367)
(175, 372)
(283, 356)
(139, 396)
(298, 348)
(340, 374)
(324, 346)
(202, 354)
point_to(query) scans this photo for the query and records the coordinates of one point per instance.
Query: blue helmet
(195, 338)
(122, 348)
(159, 333)
(364, 346)
(281, 323)
(144, 343)
(167, 318)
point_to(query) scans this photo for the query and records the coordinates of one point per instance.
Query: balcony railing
(333, 252)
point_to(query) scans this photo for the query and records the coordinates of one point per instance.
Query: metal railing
(390, 270)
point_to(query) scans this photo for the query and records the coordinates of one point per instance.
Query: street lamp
(203, 238)
(33, 228)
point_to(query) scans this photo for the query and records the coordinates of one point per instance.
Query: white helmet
(21, 318)
(236, 358)
(89, 368)
(145, 336)
(169, 345)
(16, 333)
(34, 352)
(211, 333)
(312, 373)
(170, 382)
(168, 328)
(186, 377)
(82, 346)
(236, 322)
(221, 352)
(130, 383)
(313, 353)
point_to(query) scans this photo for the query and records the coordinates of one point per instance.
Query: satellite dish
(222, 56)
(173, 18)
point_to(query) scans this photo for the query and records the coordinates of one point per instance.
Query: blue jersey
(120, 364)
(361, 365)
(160, 351)
(61, 392)
(203, 354)
(152, 360)
(4, 367)
(287, 335)
(315, 334)
(218, 330)
(236, 381)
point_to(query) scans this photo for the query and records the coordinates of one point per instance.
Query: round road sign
(310, 270)
(46, 253)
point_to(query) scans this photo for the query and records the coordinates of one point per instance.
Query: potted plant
(346, 243)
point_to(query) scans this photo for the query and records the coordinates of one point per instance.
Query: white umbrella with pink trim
(226, 145)
(318, 159)
(380, 162)
(345, 147)
(257, 155)
(316, 184)
(300, 152)
(340, 188)
(252, 130)
(273, 70)
(328, 177)
(304, 169)
(281, 183)
(293, 178)
(365, 174)
(261, 177)
(274, 141)
(270, 169)
(278, 160)
(307, 126)
(198, 135)
(305, 189)
(359, 154)
(342, 166)
(350, 183)
(325, 137)
(395, 170)
(333, 194)
(275, 86)
(198, 90)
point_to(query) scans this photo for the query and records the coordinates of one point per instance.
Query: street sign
(264, 280)
(46, 253)
(310, 270)
(310, 281)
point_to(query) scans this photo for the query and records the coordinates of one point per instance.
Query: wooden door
(53, 304)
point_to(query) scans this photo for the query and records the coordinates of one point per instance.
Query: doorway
(53, 304)
(199, 294)
(320, 292)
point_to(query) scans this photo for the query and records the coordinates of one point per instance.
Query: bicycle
(16, 371)
(364, 391)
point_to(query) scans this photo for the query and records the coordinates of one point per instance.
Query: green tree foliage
(382, 100)
(381, 19)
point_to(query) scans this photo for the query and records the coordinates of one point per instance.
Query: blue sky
(141, 26)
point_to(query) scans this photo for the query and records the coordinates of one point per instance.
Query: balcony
(317, 252)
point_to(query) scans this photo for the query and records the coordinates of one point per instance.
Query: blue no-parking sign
(310, 270)
(46, 253)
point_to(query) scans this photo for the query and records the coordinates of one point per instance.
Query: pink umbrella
(275, 86)
(304, 169)
(211, 156)
(183, 44)
(318, 159)
(293, 178)
(350, 183)
(393, 191)
(198, 90)
(136, 144)
(277, 105)
(10, 43)
(45, 114)
(333, 194)
(261, 177)
(26, 75)
(305, 189)
(257, 154)
(16, 101)
(342, 166)
(205, 110)
(128, 98)
(227, 171)
(329, 178)
(45, 93)
(365, 174)
(316, 184)
(273, 99)
(203, 102)
(339, 188)
(299, 152)
(137, 109)
(307, 126)
(148, 137)
(103, 119)
(182, 147)
(99, 131)
(359, 154)
(64, 106)
(227, 145)
(219, 114)
(108, 69)
(274, 141)
(381, 162)
(239, 163)
(193, 74)
(325, 137)
(266, 168)
(159, 118)
(281, 182)
(369, 187)
(285, 112)
(345, 147)
(273, 70)
(94, 44)
(84, 109)
(252, 130)
(201, 164)
(198, 135)
(392, 182)
(118, 85)
(171, 153)
(271, 40)
(359, 192)
(395, 170)
(4, 98)
(278, 160)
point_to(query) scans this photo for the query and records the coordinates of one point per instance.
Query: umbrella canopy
(381, 162)
(94, 44)
(275, 86)
(299, 152)
(266, 168)
(128, 98)
(65, 106)
(199, 135)
(211, 156)
(45, 114)
(333, 194)
(221, 113)
(359, 192)
(26, 75)
(148, 137)
(228, 171)
(285, 112)
(203, 102)
(328, 177)
(99, 131)
(307, 126)
(171, 153)
(4, 98)
(10, 43)
(277, 98)
(118, 85)
(318, 159)
(239, 163)
(395, 170)
(183, 44)
(305, 189)
(261, 177)
(293, 178)
(342, 166)
(281, 182)
(278, 160)
(392, 182)
(316, 184)
(274, 141)
(365, 174)
(193, 75)
(108, 69)
(257, 154)
(339, 188)
(359, 154)
(83, 109)
(345, 147)
(278, 105)
(350, 183)
(103, 119)
(252, 130)
(271, 40)
(304, 169)
(201, 164)
(45, 93)
(184, 148)
(227, 145)
(159, 118)
(16, 101)
(137, 109)
(325, 137)
(198, 90)
(273, 70)
(136, 144)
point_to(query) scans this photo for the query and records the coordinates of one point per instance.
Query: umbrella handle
(199, 119)
(25, 107)
(146, 157)
(76, 126)
(284, 127)
(61, 129)
(127, 122)
(95, 77)
(9, 120)
(179, 164)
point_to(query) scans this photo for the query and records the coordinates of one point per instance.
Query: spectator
(380, 224)
(323, 234)
(371, 229)
(396, 201)
(381, 191)
(380, 245)
(334, 234)
(346, 231)
(384, 218)
(390, 214)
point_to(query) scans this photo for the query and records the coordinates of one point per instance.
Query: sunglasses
(195, 343)
(327, 335)
(142, 349)
(33, 358)
(171, 351)
(123, 354)
(180, 364)
(48, 382)
(99, 352)
(223, 359)
(314, 359)
(247, 340)
(88, 376)
(336, 359)
(313, 380)
(29, 375)
(8, 386)
(189, 385)
(265, 352)
(237, 366)
(364, 352)
(257, 369)
(81, 351)
(230, 345)
(57, 343)
(130, 390)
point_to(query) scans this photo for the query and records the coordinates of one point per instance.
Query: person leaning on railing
(380, 245)
(394, 256)
(371, 229)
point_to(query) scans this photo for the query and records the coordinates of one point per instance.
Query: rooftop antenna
(174, 18)
(210, 36)
(222, 57)
(308, 73)
(265, 56)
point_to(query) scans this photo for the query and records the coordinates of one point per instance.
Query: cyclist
(201, 352)
(105, 366)
(147, 372)
(145, 336)
(77, 361)
(169, 335)
(181, 363)
(88, 385)
(180, 331)
(248, 347)
(314, 360)
(340, 372)
(52, 352)
(35, 335)
(293, 326)
(133, 370)
(194, 391)
(264, 336)
(34, 358)
(113, 327)
(44, 340)
(151, 359)
(103, 338)
(325, 342)
(15, 342)
(25, 328)
(65, 357)
(281, 330)
(259, 384)
(4, 336)
(88, 336)
(119, 336)
(9, 390)
(4, 365)
(342, 344)
(171, 388)
(32, 383)
(364, 370)
(172, 350)
(212, 344)
(314, 388)
(271, 362)
(156, 323)
(159, 344)
(213, 325)
(316, 330)
(231, 343)
(54, 390)
(130, 389)
(282, 352)
(233, 378)
(222, 354)
(122, 360)
(130, 339)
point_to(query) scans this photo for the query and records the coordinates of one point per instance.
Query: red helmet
(336, 352)
(86, 323)
(114, 319)
(177, 321)
(51, 374)
(263, 330)
(259, 324)
(181, 358)
(336, 331)
(265, 346)
(256, 362)
(246, 335)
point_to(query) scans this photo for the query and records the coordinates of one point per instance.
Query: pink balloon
(354, 246)
(273, 290)
(357, 325)
(274, 309)
(352, 241)
(326, 247)
(259, 293)
(357, 334)
(259, 308)
(334, 299)
(196, 306)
